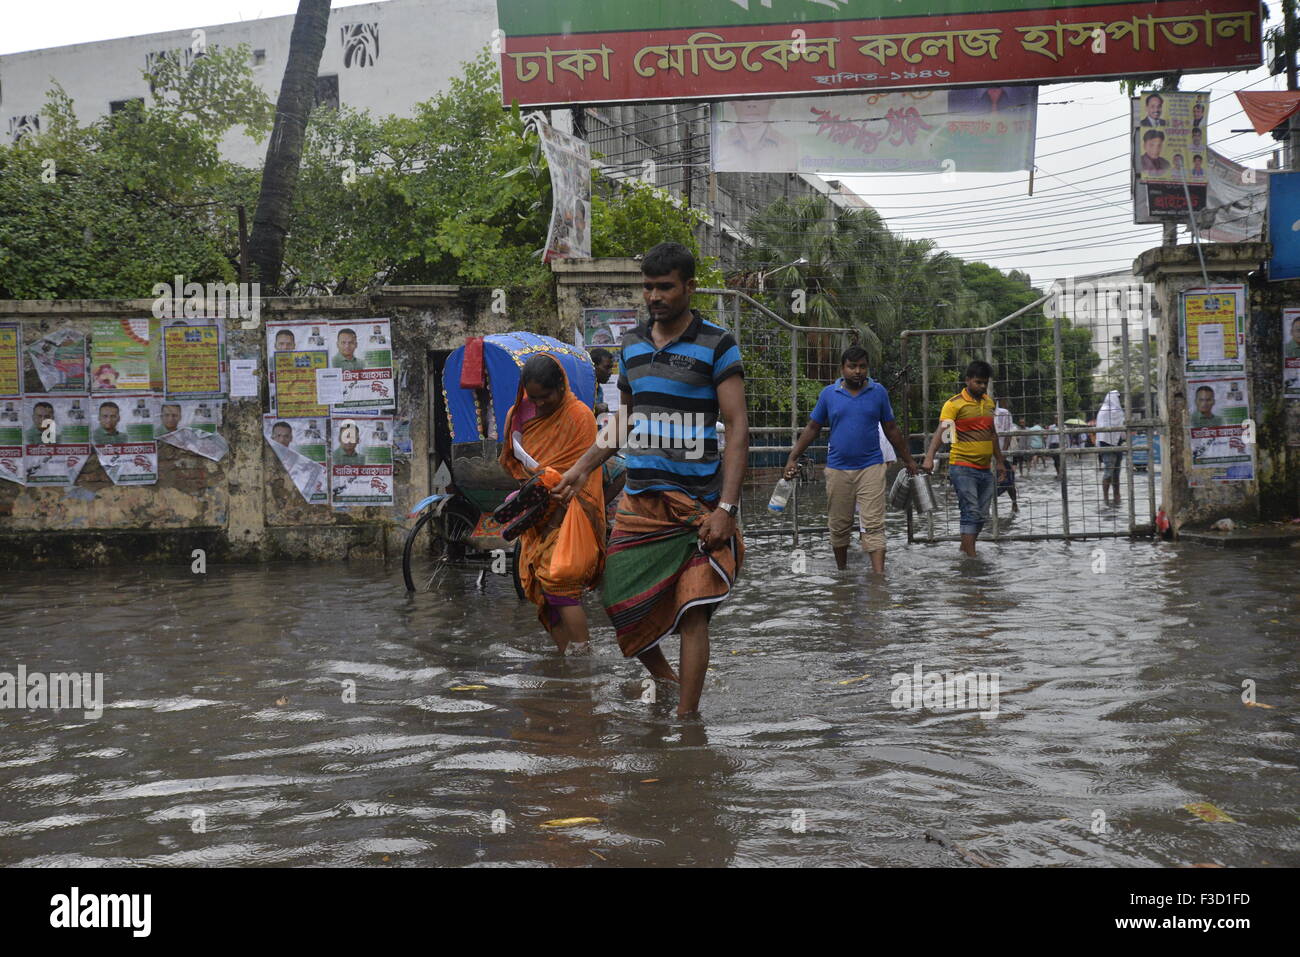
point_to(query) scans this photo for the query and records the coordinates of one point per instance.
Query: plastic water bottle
(780, 495)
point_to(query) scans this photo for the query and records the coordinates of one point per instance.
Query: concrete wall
(244, 508)
(1275, 492)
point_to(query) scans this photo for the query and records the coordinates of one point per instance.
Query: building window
(327, 91)
(360, 44)
(25, 125)
(259, 57)
(117, 106)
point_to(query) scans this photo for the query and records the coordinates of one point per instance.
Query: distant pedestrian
(1002, 422)
(1110, 417)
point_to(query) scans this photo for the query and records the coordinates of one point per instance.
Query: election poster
(124, 436)
(301, 446)
(1213, 329)
(1171, 160)
(119, 355)
(1216, 430)
(191, 424)
(194, 360)
(11, 440)
(362, 349)
(11, 360)
(59, 359)
(980, 130)
(1291, 354)
(292, 337)
(295, 382)
(605, 327)
(361, 461)
(569, 159)
(56, 443)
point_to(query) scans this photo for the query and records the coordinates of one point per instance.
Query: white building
(1105, 303)
(386, 57)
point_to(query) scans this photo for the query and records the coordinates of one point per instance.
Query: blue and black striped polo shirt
(673, 436)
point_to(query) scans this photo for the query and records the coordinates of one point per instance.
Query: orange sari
(554, 443)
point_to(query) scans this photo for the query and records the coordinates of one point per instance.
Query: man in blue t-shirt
(855, 408)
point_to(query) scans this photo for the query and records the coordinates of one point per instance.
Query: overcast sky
(1079, 219)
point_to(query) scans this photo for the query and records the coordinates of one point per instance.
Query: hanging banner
(1283, 214)
(1215, 431)
(57, 443)
(194, 360)
(981, 130)
(60, 360)
(569, 160)
(302, 449)
(363, 350)
(11, 360)
(124, 436)
(1291, 353)
(1170, 153)
(561, 52)
(295, 383)
(1213, 329)
(119, 355)
(361, 461)
(1236, 203)
(292, 337)
(1267, 109)
(11, 440)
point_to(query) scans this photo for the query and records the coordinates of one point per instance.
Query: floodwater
(227, 740)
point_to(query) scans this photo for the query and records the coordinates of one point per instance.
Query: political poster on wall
(1170, 153)
(1291, 353)
(119, 355)
(56, 444)
(1213, 329)
(362, 349)
(59, 359)
(361, 461)
(191, 424)
(303, 449)
(981, 129)
(293, 337)
(295, 382)
(605, 327)
(194, 359)
(11, 440)
(11, 360)
(1215, 425)
(124, 436)
(569, 159)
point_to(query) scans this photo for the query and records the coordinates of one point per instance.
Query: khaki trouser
(866, 488)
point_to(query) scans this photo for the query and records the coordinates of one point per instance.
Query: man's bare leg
(658, 665)
(968, 545)
(695, 660)
(841, 556)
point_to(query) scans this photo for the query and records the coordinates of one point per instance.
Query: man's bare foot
(580, 648)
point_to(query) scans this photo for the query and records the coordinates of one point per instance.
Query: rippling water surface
(226, 739)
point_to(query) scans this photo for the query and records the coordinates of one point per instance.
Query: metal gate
(1050, 373)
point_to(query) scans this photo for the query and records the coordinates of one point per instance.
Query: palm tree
(284, 153)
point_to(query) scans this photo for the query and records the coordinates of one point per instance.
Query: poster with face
(293, 337)
(191, 424)
(302, 446)
(363, 349)
(56, 437)
(1216, 416)
(124, 436)
(361, 461)
(11, 440)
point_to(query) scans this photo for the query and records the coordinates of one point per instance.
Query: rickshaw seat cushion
(471, 370)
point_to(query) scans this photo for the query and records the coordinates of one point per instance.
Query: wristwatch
(730, 509)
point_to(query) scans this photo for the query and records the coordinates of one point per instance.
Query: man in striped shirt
(966, 421)
(675, 547)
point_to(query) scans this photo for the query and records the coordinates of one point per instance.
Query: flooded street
(226, 738)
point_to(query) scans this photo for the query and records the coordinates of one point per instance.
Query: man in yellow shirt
(967, 422)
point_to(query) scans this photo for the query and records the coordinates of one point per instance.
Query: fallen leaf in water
(281, 702)
(468, 688)
(1258, 704)
(649, 780)
(853, 681)
(570, 821)
(601, 856)
(1207, 865)
(1208, 812)
(385, 858)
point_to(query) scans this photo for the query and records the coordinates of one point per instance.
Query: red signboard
(984, 49)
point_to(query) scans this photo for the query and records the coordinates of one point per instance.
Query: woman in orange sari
(547, 431)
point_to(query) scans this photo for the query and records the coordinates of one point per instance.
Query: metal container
(922, 493)
(900, 493)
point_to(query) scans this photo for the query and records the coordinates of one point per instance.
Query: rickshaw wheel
(424, 553)
(514, 570)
